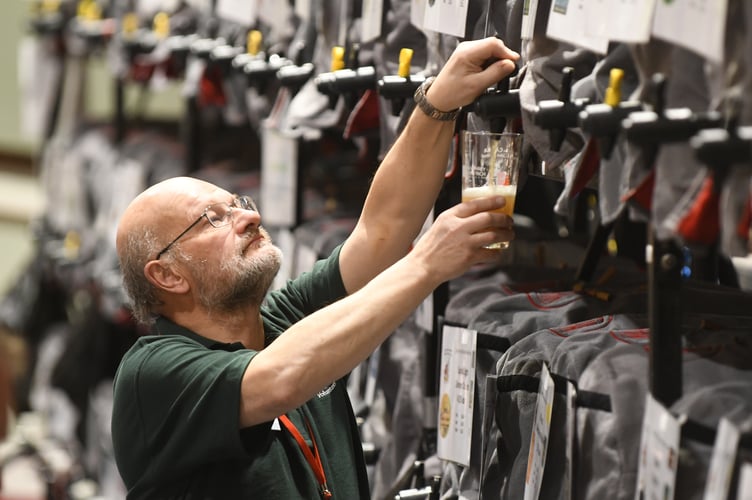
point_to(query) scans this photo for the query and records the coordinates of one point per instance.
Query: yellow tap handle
(89, 10)
(405, 58)
(49, 6)
(130, 23)
(161, 24)
(613, 92)
(338, 58)
(253, 43)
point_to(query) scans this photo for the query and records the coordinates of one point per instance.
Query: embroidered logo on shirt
(326, 390)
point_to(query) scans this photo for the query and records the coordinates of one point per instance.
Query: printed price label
(456, 394)
(279, 167)
(446, 16)
(722, 461)
(659, 452)
(536, 460)
(699, 25)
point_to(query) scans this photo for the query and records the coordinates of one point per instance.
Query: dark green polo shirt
(176, 405)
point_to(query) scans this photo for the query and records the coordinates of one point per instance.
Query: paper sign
(570, 440)
(279, 167)
(39, 72)
(446, 16)
(456, 394)
(417, 13)
(745, 482)
(659, 452)
(722, 461)
(567, 22)
(529, 12)
(285, 241)
(698, 25)
(536, 460)
(243, 12)
(621, 20)
(371, 19)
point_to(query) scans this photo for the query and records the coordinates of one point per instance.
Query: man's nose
(245, 219)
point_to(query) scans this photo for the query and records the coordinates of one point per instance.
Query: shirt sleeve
(182, 401)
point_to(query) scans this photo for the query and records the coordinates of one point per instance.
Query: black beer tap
(603, 121)
(400, 87)
(498, 104)
(349, 82)
(558, 115)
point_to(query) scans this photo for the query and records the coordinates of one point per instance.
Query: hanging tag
(285, 241)
(456, 394)
(243, 12)
(621, 20)
(722, 461)
(699, 26)
(659, 452)
(567, 22)
(303, 9)
(279, 173)
(529, 11)
(371, 19)
(570, 440)
(275, 14)
(417, 13)
(536, 460)
(38, 73)
(446, 16)
(744, 489)
(305, 258)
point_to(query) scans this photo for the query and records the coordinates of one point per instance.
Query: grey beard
(241, 282)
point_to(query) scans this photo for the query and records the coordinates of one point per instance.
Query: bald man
(238, 393)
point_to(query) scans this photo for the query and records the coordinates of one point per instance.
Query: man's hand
(463, 77)
(456, 240)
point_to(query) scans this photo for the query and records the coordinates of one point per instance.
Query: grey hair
(137, 251)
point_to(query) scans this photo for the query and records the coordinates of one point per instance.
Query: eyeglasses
(218, 215)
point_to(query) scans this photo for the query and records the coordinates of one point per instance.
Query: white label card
(39, 72)
(570, 439)
(371, 19)
(529, 12)
(722, 461)
(446, 16)
(243, 12)
(745, 482)
(621, 20)
(456, 394)
(697, 25)
(303, 9)
(417, 13)
(279, 167)
(659, 452)
(305, 258)
(536, 460)
(567, 22)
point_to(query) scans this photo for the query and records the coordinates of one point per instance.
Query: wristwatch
(427, 107)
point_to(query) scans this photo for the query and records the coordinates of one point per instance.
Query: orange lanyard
(313, 458)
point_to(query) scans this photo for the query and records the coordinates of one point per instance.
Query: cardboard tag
(529, 12)
(567, 22)
(446, 16)
(536, 460)
(722, 461)
(279, 174)
(243, 12)
(456, 394)
(373, 11)
(659, 452)
(627, 21)
(699, 25)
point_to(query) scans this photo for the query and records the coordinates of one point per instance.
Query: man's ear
(164, 277)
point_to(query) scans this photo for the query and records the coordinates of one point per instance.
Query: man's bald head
(151, 220)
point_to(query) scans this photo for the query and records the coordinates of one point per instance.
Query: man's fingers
(468, 208)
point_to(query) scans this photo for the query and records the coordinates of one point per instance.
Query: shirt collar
(163, 326)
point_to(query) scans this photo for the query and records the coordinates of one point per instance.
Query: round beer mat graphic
(445, 414)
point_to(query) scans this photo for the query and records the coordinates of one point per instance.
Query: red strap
(313, 458)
